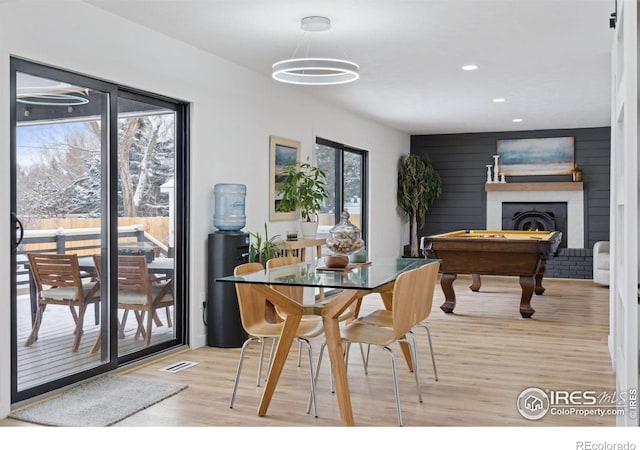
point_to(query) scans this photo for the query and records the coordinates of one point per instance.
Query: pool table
(485, 252)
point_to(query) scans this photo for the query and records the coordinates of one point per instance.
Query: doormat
(100, 402)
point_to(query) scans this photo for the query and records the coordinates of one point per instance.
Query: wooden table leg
(330, 313)
(338, 369)
(446, 283)
(282, 351)
(387, 298)
(293, 311)
(319, 256)
(528, 284)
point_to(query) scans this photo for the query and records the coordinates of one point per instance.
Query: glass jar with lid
(345, 240)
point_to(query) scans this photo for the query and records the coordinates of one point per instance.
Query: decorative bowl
(336, 261)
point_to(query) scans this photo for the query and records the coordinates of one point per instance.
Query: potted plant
(419, 185)
(263, 248)
(303, 189)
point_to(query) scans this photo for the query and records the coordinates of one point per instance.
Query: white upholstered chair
(601, 263)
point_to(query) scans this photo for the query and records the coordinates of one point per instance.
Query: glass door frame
(109, 229)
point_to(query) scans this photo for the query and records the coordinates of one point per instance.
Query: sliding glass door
(98, 173)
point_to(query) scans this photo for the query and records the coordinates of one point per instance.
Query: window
(346, 170)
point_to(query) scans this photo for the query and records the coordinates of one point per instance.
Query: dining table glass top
(367, 276)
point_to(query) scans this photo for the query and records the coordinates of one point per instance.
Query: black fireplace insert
(530, 216)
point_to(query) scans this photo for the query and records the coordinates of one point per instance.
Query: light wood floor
(486, 355)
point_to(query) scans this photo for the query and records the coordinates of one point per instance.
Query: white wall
(233, 113)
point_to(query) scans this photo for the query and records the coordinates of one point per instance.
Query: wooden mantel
(554, 186)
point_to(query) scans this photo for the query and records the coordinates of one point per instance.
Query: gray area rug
(100, 402)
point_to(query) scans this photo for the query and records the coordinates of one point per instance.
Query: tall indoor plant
(419, 185)
(303, 188)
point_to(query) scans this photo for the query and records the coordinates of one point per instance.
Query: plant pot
(309, 229)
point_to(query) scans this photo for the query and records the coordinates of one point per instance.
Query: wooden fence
(82, 236)
(156, 229)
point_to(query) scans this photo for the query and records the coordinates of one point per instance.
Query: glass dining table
(347, 286)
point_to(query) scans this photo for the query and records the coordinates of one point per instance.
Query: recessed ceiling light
(516, 120)
(499, 100)
(470, 67)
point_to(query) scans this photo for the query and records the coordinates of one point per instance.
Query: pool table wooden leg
(539, 289)
(527, 284)
(475, 282)
(446, 283)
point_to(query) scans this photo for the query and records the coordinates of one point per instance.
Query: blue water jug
(229, 207)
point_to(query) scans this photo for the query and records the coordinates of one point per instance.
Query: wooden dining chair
(407, 294)
(430, 273)
(58, 282)
(384, 317)
(294, 292)
(253, 307)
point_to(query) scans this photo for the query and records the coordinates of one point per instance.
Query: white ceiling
(549, 59)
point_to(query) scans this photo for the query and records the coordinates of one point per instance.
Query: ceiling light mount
(315, 23)
(315, 71)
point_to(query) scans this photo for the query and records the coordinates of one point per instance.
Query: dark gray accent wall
(461, 161)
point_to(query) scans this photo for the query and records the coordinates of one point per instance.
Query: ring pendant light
(315, 71)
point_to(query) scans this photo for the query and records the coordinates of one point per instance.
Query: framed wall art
(538, 156)
(282, 152)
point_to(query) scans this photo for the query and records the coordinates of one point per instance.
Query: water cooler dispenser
(227, 248)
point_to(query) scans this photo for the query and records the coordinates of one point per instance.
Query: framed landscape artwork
(538, 156)
(282, 152)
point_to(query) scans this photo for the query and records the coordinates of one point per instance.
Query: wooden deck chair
(58, 282)
(137, 292)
